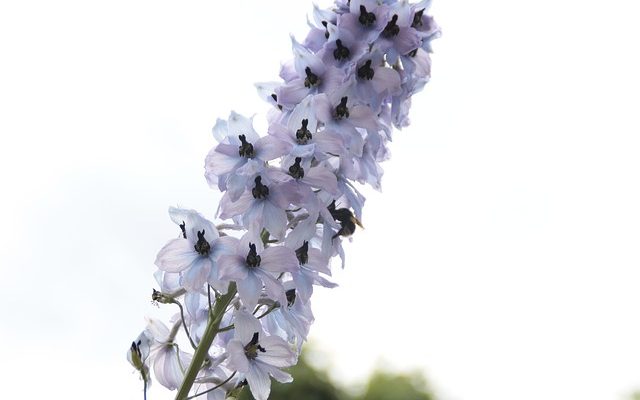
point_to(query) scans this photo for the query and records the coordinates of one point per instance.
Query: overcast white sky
(502, 257)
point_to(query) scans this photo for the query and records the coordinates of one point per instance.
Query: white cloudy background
(502, 257)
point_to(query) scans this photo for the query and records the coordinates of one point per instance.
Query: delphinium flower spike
(244, 284)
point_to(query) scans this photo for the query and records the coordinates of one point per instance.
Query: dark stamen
(391, 29)
(366, 72)
(253, 259)
(341, 110)
(252, 348)
(183, 228)
(366, 18)
(275, 98)
(303, 135)
(260, 191)
(341, 52)
(311, 79)
(291, 297)
(413, 53)
(417, 19)
(303, 253)
(135, 348)
(202, 246)
(246, 148)
(296, 169)
(326, 30)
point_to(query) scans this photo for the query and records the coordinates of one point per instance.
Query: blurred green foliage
(311, 383)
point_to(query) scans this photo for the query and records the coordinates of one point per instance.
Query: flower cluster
(243, 288)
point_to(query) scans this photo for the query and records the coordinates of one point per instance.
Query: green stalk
(207, 339)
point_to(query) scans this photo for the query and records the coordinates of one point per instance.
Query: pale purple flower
(312, 263)
(342, 115)
(398, 36)
(241, 154)
(263, 205)
(291, 321)
(253, 268)
(312, 75)
(169, 362)
(194, 254)
(365, 20)
(258, 356)
(374, 81)
(342, 48)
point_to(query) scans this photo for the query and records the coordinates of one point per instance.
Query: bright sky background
(502, 257)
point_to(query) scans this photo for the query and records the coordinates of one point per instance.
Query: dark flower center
(303, 253)
(417, 19)
(135, 347)
(366, 18)
(183, 228)
(296, 169)
(392, 29)
(275, 98)
(303, 135)
(365, 71)
(341, 110)
(253, 259)
(291, 297)
(246, 148)
(252, 348)
(326, 30)
(341, 52)
(259, 191)
(311, 79)
(202, 246)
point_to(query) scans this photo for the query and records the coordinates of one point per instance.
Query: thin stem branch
(233, 227)
(184, 324)
(205, 343)
(213, 388)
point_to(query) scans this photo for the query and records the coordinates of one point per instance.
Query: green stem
(215, 387)
(205, 343)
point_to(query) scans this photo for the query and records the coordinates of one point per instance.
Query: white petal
(292, 93)
(318, 262)
(241, 125)
(220, 130)
(250, 289)
(230, 209)
(279, 259)
(166, 368)
(237, 359)
(246, 325)
(278, 352)
(386, 79)
(270, 147)
(219, 163)
(275, 220)
(232, 267)
(259, 382)
(272, 286)
(176, 255)
(277, 374)
(321, 178)
(196, 275)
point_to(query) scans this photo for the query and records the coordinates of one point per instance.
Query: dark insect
(346, 218)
